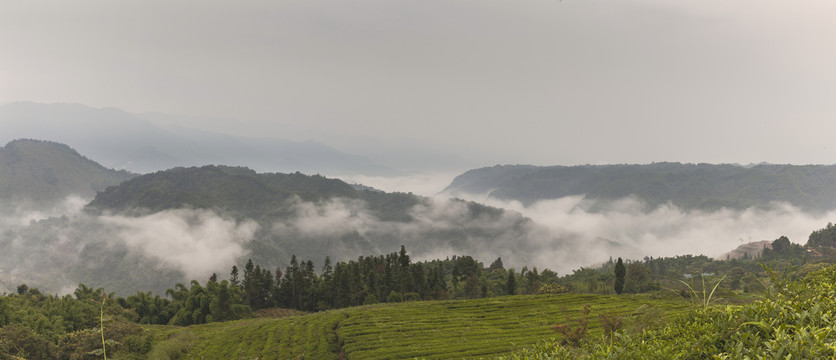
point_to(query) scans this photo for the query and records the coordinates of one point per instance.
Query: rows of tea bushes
(426, 329)
(796, 319)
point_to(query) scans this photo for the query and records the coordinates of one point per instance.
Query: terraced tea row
(431, 329)
(474, 328)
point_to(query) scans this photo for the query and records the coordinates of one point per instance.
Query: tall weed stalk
(699, 298)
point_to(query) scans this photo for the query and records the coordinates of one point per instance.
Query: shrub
(394, 297)
(552, 289)
(174, 347)
(19, 341)
(610, 323)
(574, 335)
(84, 344)
(370, 299)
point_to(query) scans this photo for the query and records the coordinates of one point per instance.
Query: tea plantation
(481, 328)
(795, 320)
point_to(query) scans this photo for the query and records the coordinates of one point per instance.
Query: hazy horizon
(472, 83)
(432, 89)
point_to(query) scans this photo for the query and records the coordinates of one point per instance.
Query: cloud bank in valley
(571, 232)
(562, 235)
(196, 242)
(436, 229)
(55, 248)
(625, 228)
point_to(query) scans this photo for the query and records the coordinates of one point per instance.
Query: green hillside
(237, 191)
(354, 222)
(690, 186)
(44, 171)
(310, 216)
(429, 329)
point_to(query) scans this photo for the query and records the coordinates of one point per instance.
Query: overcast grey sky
(538, 81)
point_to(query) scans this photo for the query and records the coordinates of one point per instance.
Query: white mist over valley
(563, 234)
(400, 179)
(365, 94)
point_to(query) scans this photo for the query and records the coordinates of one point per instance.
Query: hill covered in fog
(243, 193)
(314, 216)
(688, 186)
(44, 171)
(186, 223)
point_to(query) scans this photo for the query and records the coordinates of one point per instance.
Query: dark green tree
(511, 284)
(735, 276)
(221, 305)
(471, 287)
(496, 264)
(22, 289)
(233, 276)
(620, 273)
(5, 312)
(637, 279)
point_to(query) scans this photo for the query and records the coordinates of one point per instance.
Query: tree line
(367, 280)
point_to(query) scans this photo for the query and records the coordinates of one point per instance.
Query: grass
(429, 329)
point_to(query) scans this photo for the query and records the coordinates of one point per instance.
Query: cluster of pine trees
(368, 280)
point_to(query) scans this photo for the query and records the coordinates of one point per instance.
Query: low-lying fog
(39, 245)
(627, 228)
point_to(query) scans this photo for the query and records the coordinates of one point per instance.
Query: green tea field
(481, 328)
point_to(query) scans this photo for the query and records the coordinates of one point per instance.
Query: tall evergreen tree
(247, 282)
(233, 276)
(620, 272)
(511, 284)
(496, 264)
(221, 304)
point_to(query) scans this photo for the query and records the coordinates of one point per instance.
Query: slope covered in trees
(239, 191)
(314, 216)
(689, 186)
(172, 225)
(43, 171)
(48, 326)
(243, 193)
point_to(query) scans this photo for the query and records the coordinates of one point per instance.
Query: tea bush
(797, 320)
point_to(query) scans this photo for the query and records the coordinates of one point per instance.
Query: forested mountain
(243, 193)
(43, 171)
(186, 223)
(689, 186)
(123, 140)
(314, 216)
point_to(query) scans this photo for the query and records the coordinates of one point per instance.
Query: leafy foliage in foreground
(796, 320)
(36, 326)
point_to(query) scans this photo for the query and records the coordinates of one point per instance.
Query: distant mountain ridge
(309, 216)
(690, 186)
(45, 171)
(128, 141)
(267, 216)
(240, 192)
(362, 220)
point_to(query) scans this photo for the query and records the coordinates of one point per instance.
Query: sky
(542, 82)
